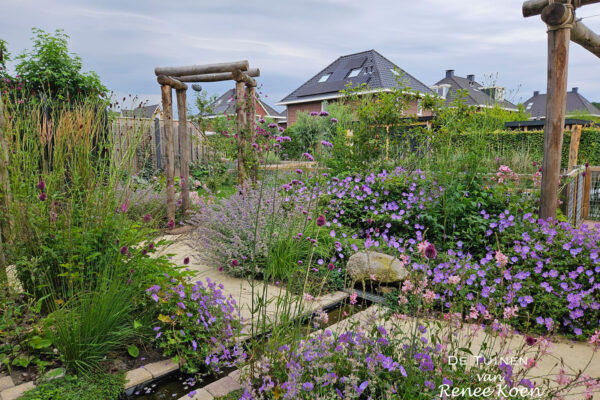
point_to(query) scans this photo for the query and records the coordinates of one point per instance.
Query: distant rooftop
(141, 112)
(536, 105)
(225, 104)
(368, 67)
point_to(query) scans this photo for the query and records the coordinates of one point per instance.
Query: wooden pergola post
(574, 146)
(4, 189)
(251, 128)
(184, 149)
(558, 17)
(167, 105)
(241, 128)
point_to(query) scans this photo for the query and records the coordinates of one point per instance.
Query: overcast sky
(290, 41)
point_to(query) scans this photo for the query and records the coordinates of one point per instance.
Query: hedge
(589, 145)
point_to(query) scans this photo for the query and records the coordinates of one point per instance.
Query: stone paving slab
(136, 377)
(6, 382)
(15, 392)
(201, 394)
(161, 368)
(222, 387)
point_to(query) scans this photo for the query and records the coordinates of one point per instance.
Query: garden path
(240, 289)
(563, 353)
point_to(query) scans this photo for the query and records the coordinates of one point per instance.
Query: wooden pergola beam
(203, 69)
(217, 77)
(535, 7)
(240, 76)
(174, 83)
(586, 38)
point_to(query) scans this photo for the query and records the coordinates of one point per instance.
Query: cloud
(291, 41)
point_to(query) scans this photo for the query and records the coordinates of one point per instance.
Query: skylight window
(354, 72)
(324, 77)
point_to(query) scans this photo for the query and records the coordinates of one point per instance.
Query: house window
(443, 91)
(324, 77)
(354, 72)
(420, 107)
(324, 105)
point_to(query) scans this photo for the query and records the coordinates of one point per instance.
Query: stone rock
(6, 382)
(222, 387)
(385, 268)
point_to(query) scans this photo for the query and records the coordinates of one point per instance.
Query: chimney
(575, 89)
(471, 78)
(537, 92)
(449, 73)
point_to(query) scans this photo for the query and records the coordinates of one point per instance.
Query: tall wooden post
(4, 189)
(167, 105)
(557, 16)
(251, 127)
(241, 127)
(184, 149)
(574, 146)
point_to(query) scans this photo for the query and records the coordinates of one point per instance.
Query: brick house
(368, 67)
(225, 105)
(477, 95)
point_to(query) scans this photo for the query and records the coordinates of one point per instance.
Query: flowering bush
(197, 324)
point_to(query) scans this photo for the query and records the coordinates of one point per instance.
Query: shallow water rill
(177, 384)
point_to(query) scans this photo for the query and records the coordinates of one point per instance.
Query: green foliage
(92, 324)
(203, 103)
(22, 339)
(49, 69)
(531, 144)
(100, 386)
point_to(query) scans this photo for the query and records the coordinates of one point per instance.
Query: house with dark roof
(536, 105)
(452, 87)
(367, 67)
(225, 105)
(152, 111)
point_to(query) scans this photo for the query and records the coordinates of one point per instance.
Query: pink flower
(171, 224)
(41, 185)
(330, 266)
(235, 263)
(595, 340)
(429, 296)
(308, 156)
(308, 297)
(454, 279)
(501, 259)
(510, 312)
(353, 298)
(124, 250)
(186, 261)
(422, 246)
(42, 196)
(124, 207)
(147, 218)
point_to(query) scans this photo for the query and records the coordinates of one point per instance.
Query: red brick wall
(294, 109)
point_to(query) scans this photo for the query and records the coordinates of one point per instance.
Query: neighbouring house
(538, 124)
(368, 67)
(152, 111)
(477, 94)
(225, 105)
(536, 105)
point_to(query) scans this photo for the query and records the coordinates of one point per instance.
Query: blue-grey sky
(290, 41)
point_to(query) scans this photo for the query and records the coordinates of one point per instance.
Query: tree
(51, 70)
(597, 104)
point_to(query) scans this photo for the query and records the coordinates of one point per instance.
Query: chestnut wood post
(167, 105)
(4, 190)
(574, 146)
(241, 127)
(557, 17)
(251, 129)
(184, 149)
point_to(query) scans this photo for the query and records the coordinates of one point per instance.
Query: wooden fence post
(184, 148)
(559, 35)
(574, 146)
(241, 127)
(167, 105)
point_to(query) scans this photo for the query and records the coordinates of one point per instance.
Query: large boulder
(365, 264)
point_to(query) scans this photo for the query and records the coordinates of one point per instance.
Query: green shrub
(100, 386)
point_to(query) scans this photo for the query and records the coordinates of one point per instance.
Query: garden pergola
(173, 78)
(559, 16)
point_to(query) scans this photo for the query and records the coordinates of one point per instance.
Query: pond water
(176, 385)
